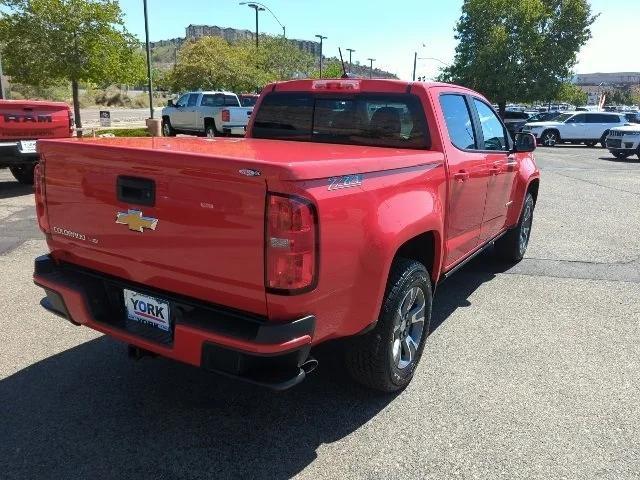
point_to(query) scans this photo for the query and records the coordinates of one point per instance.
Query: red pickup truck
(336, 218)
(22, 122)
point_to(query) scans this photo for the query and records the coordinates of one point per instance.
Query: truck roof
(360, 84)
(35, 103)
(210, 92)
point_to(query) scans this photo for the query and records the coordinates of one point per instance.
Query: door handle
(512, 164)
(461, 176)
(495, 168)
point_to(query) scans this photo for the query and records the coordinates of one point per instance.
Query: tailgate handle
(136, 190)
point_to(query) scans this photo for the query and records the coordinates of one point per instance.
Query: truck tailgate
(207, 241)
(23, 120)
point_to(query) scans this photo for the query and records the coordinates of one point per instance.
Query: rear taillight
(41, 209)
(291, 256)
(226, 116)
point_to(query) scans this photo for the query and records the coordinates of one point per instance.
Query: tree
(213, 63)
(48, 41)
(520, 50)
(572, 94)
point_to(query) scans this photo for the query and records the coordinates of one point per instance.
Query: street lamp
(350, 50)
(257, 8)
(321, 38)
(149, 82)
(371, 60)
(264, 7)
(415, 61)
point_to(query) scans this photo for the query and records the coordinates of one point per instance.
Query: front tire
(167, 129)
(23, 173)
(512, 246)
(386, 358)
(590, 144)
(549, 138)
(603, 140)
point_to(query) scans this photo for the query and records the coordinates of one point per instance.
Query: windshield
(563, 118)
(385, 120)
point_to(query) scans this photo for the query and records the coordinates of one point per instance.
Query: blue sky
(388, 31)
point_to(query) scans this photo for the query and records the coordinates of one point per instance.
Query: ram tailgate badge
(135, 221)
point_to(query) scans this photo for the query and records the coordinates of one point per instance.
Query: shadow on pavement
(10, 189)
(631, 159)
(90, 412)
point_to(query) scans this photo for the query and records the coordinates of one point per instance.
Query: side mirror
(170, 103)
(524, 142)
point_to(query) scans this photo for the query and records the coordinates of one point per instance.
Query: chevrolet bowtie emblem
(135, 221)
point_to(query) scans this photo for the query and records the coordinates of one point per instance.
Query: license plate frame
(27, 146)
(147, 310)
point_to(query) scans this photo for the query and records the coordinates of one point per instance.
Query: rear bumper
(239, 130)
(226, 341)
(10, 155)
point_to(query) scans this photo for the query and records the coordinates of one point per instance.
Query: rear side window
(193, 100)
(393, 120)
(231, 101)
(458, 120)
(212, 101)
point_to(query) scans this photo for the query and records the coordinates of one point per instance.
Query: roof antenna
(344, 70)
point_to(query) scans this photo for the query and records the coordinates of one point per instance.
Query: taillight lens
(291, 244)
(226, 116)
(41, 209)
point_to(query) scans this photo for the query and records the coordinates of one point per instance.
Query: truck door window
(458, 120)
(492, 129)
(193, 100)
(182, 102)
(210, 100)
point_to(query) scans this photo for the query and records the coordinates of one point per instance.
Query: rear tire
(603, 140)
(386, 358)
(23, 173)
(590, 144)
(167, 129)
(512, 246)
(549, 138)
(210, 131)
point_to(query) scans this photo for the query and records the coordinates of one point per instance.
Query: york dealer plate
(147, 310)
(27, 146)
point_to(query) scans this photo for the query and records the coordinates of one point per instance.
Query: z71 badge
(345, 181)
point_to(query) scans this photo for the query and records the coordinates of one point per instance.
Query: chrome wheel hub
(408, 327)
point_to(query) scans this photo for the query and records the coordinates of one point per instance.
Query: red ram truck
(22, 122)
(336, 218)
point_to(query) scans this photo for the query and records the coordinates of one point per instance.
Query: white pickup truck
(211, 113)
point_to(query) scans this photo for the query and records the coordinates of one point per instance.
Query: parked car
(575, 127)
(515, 120)
(210, 113)
(22, 123)
(623, 142)
(632, 117)
(241, 255)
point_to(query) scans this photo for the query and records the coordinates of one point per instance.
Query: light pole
(263, 7)
(149, 82)
(371, 60)
(257, 8)
(350, 50)
(321, 39)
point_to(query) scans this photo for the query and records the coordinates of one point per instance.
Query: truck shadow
(631, 159)
(90, 412)
(10, 189)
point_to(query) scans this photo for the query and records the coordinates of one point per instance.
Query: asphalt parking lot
(530, 372)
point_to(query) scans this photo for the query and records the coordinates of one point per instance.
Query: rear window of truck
(381, 120)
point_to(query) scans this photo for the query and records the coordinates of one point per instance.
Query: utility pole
(1, 82)
(371, 60)
(321, 39)
(149, 82)
(350, 50)
(415, 60)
